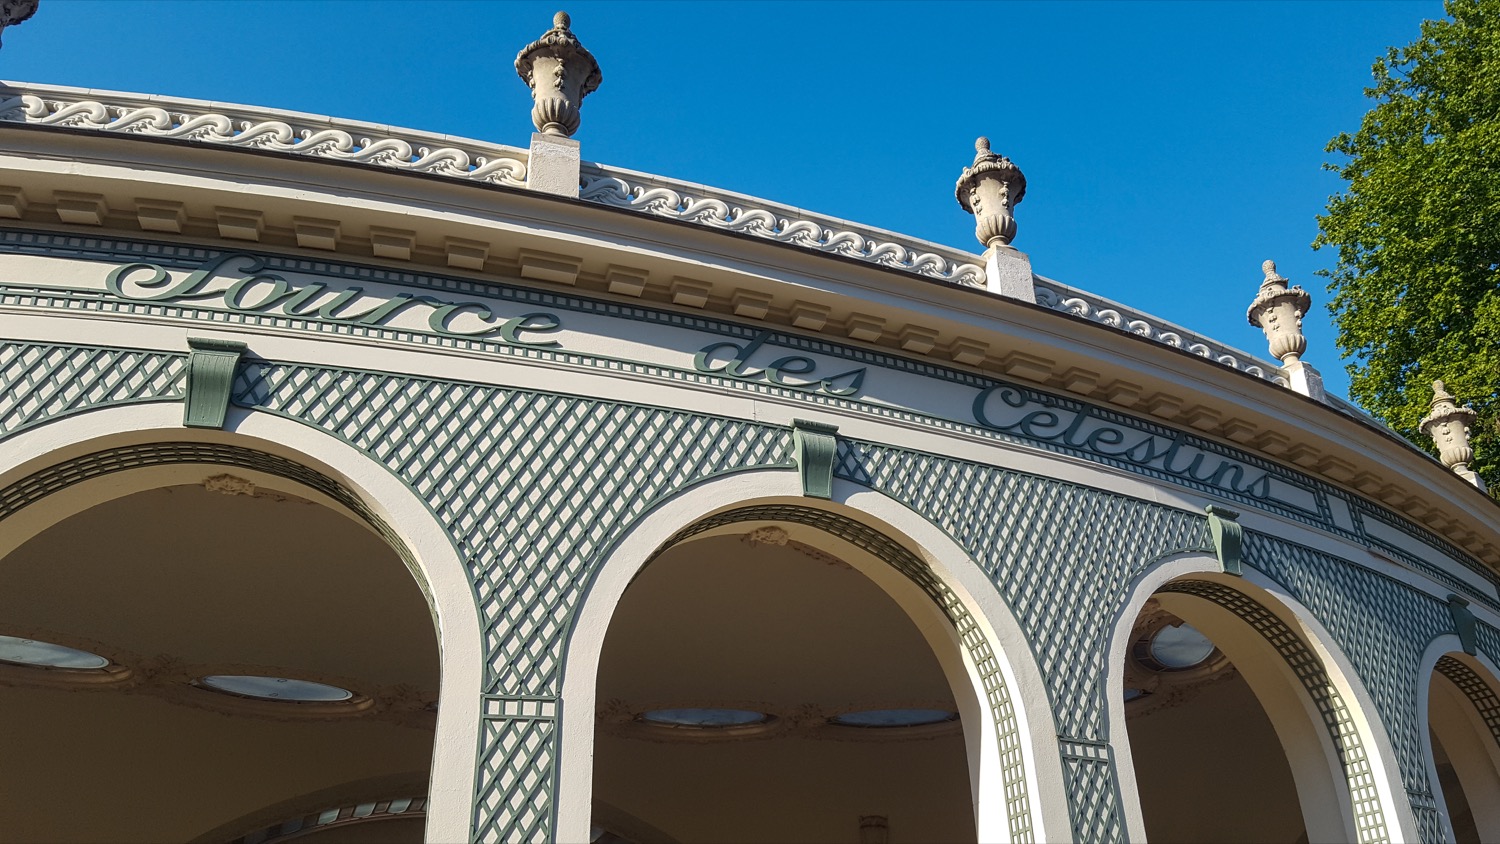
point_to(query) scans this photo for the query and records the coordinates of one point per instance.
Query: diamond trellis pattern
(1092, 792)
(1063, 556)
(1476, 689)
(1429, 818)
(1380, 624)
(40, 381)
(1488, 640)
(518, 762)
(1368, 817)
(533, 488)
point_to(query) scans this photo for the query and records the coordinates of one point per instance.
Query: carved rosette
(560, 73)
(1278, 310)
(1448, 425)
(13, 12)
(990, 189)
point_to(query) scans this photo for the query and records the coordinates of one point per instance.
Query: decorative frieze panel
(1069, 300)
(440, 155)
(263, 129)
(266, 292)
(783, 224)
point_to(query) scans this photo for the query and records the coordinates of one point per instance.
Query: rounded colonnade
(397, 487)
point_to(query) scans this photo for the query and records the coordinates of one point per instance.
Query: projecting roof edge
(380, 145)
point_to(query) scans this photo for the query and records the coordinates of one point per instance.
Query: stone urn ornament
(560, 73)
(1448, 425)
(990, 189)
(1278, 311)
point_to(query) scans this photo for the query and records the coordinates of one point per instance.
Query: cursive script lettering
(1008, 409)
(239, 283)
(733, 359)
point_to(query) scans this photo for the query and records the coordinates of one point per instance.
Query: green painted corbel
(1226, 533)
(1463, 623)
(210, 374)
(813, 447)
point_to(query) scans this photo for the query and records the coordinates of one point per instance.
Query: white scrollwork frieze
(496, 166)
(769, 222)
(1104, 312)
(378, 146)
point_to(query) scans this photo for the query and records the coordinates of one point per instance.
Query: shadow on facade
(756, 685)
(214, 661)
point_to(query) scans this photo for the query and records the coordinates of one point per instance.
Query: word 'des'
(791, 371)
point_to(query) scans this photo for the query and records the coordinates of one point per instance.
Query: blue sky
(1169, 147)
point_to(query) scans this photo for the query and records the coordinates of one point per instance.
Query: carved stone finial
(1448, 425)
(1278, 311)
(13, 12)
(990, 189)
(560, 73)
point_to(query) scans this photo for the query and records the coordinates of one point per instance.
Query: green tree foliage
(1416, 291)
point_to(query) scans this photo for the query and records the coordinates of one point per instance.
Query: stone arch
(1466, 720)
(1009, 776)
(52, 471)
(1336, 747)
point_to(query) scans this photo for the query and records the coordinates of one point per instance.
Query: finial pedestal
(990, 189)
(560, 73)
(1278, 311)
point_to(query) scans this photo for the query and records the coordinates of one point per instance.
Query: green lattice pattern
(1063, 557)
(1485, 702)
(1476, 689)
(893, 553)
(518, 758)
(533, 488)
(40, 381)
(1383, 627)
(1369, 819)
(60, 476)
(1488, 640)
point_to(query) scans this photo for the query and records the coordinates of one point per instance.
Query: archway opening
(214, 662)
(1221, 736)
(756, 684)
(1463, 720)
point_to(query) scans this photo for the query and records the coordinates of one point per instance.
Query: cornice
(380, 146)
(505, 232)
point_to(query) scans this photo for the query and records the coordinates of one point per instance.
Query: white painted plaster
(1400, 821)
(1471, 746)
(1318, 774)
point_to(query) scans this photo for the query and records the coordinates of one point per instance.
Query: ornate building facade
(364, 484)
